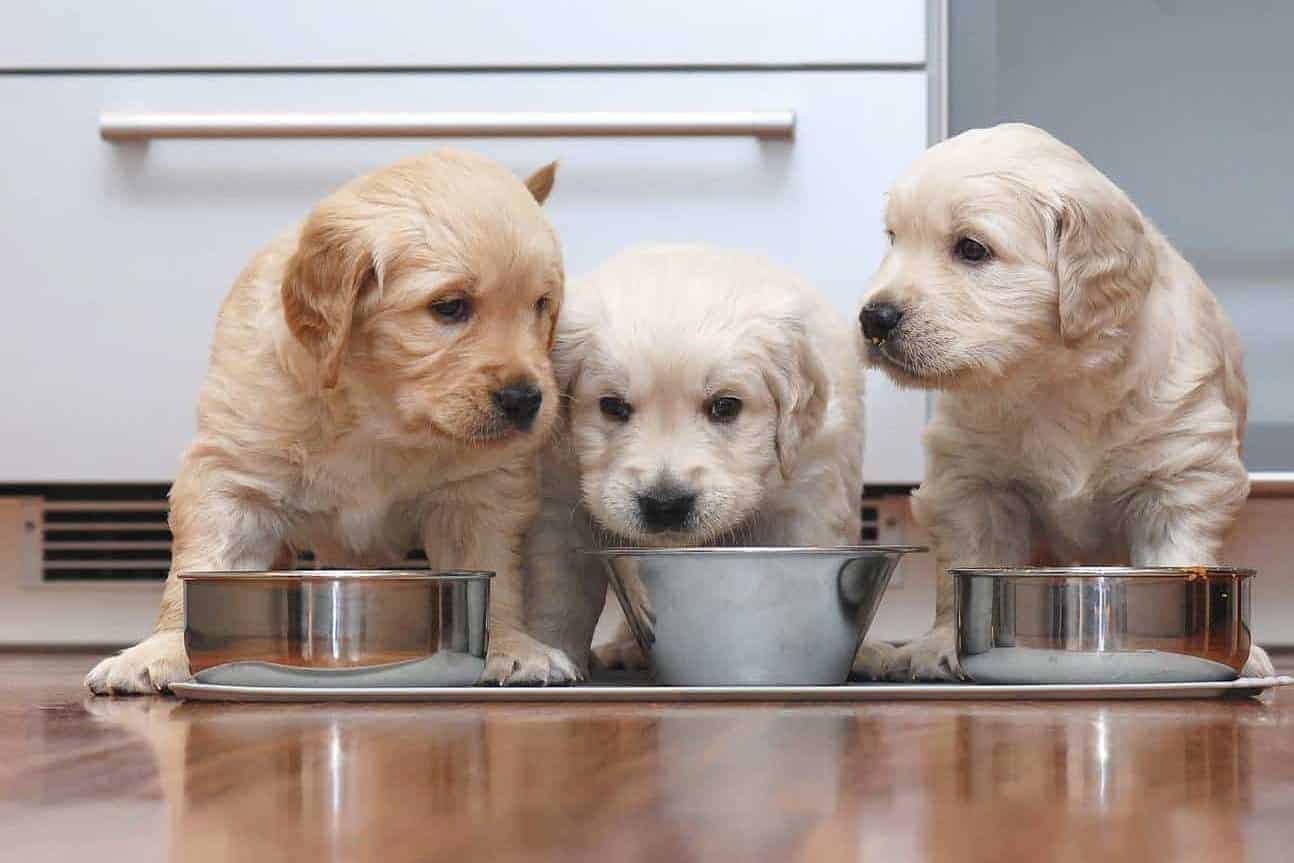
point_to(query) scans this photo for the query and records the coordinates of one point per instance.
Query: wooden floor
(151, 779)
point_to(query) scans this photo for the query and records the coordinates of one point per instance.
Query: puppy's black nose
(519, 402)
(665, 507)
(880, 319)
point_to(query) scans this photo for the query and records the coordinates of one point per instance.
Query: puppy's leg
(614, 645)
(971, 525)
(481, 524)
(1183, 523)
(213, 530)
(1183, 520)
(564, 589)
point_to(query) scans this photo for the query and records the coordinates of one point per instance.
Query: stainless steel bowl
(1102, 624)
(332, 618)
(750, 616)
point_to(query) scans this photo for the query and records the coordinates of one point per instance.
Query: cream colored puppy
(714, 399)
(1090, 393)
(379, 379)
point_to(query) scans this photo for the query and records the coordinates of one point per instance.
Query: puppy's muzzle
(879, 320)
(518, 403)
(666, 507)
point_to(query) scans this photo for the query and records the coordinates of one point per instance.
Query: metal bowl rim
(308, 575)
(754, 551)
(1175, 572)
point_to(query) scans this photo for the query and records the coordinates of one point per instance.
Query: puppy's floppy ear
(334, 262)
(540, 183)
(801, 389)
(1105, 262)
(570, 345)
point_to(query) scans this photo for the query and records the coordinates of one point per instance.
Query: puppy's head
(1006, 247)
(693, 385)
(430, 291)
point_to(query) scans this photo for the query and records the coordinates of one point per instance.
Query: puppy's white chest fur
(1055, 453)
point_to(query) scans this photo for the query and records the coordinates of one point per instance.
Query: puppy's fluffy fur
(1091, 398)
(350, 402)
(665, 332)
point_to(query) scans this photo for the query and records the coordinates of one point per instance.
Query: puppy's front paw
(517, 658)
(147, 668)
(873, 660)
(1259, 664)
(621, 653)
(933, 656)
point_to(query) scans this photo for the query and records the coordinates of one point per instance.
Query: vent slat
(161, 566)
(120, 576)
(156, 519)
(106, 505)
(105, 545)
(131, 536)
(152, 526)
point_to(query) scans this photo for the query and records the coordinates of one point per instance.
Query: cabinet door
(404, 34)
(118, 254)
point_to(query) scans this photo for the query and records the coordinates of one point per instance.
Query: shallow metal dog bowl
(1102, 624)
(750, 616)
(333, 618)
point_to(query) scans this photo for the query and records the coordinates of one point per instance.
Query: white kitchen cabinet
(422, 34)
(117, 254)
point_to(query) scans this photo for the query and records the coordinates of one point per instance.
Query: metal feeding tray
(618, 693)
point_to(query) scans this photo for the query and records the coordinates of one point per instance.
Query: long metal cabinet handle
(121, 126)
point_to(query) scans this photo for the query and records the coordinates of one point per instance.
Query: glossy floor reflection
(145, 779)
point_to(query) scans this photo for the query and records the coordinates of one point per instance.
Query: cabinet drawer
(337, 34)
(118, 254)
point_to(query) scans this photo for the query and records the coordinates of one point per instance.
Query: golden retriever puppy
(1090, 398)
(713, 398)
(379, 379)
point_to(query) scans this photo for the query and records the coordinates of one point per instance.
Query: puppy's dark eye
(543, 304)
(615, 408)
(889, 235)
(724, 409)
(969, 250)
(451, 311)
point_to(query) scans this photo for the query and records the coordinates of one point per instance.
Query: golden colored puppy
(1090, 392)
(379, 379)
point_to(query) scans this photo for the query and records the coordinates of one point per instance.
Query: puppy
(1090, 394)
(712, 399)
(379, 377)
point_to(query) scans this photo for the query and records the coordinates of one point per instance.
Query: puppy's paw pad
(147, 668)
(624, 653)
(873, 660)
(1259, 664)
(523, 660)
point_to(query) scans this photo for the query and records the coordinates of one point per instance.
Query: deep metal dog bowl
(1102, 624)
(750, 616)
(333, 618)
